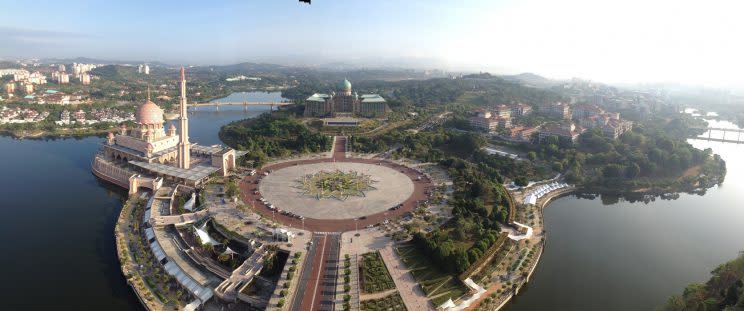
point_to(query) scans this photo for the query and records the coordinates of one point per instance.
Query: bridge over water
(238, 103)
(710, 130)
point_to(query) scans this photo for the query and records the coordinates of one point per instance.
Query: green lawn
(375, 276)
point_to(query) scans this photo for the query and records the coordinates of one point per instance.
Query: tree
(231, 189)
(632, 171)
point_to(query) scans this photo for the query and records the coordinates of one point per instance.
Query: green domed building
(345, 103)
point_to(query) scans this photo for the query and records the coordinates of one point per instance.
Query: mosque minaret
(184, 160)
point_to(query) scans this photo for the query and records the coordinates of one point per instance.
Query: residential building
(10, 87)
(29, 88)
(520, 110)
(557, 109)
(584, 111)
(522, 133)
(567, 132)
(489, 122)
(502, 111)
(85, 79)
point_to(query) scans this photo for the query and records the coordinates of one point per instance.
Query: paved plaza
(281, 188)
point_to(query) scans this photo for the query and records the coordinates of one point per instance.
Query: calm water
(633, 256)
(252, 97)
(58, 221)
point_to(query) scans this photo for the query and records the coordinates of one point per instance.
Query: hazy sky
(697, 42)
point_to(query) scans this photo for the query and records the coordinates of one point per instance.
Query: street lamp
(356, 224)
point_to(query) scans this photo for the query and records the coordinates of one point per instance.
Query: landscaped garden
(438, 285)
(390, 302)
(337, 184)
(375, 276)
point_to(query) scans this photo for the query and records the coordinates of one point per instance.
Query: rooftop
(318, 97)
(372, 98)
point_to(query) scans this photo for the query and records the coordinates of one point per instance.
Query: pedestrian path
(413, 297)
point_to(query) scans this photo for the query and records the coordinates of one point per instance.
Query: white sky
(615, 41)
(700, 42)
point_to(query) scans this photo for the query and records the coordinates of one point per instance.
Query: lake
(633, 256)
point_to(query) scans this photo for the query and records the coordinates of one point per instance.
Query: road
(308, 270)
(317, 284)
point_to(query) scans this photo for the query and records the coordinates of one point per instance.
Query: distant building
(521, 133)
(557, 109)
(564, 132)
(520, 110)
(345, 103)
(143, 68)
(593, 117)
(484, 121)
(36, 78)
(61, 67)
(85, 79)
(60, 77)
(29, 88)
(584, 111)
(78, 69)
(490, 122)
(609, 123)
(502, 111)
(14, 72)
(10, 87)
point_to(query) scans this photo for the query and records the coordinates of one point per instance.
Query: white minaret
(184, 147)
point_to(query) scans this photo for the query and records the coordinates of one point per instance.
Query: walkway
(339, 148)
(413, 297)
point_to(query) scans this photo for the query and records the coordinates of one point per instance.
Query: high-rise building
(61, 67)
(85, 79)
(143, 68)
(345, 102)
(29, 88)
(60, 77)
(10, 88)
(78, 69)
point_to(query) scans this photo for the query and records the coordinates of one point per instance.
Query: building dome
(149, 113)
(345, 85)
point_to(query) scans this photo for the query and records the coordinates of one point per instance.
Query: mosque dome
(345, 85)
(149, 113)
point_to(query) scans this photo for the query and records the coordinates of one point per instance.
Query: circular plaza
(334, 195)
(335, 190)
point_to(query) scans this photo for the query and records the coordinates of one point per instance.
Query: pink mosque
(149, 156)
